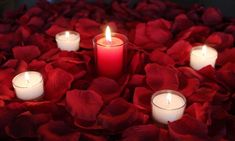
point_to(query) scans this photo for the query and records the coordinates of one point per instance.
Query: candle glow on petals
(168, 97)
(204, 50)
(108, 36)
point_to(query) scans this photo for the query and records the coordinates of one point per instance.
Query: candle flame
(108, 34)
(204, 50)
(26, 76)
(168, 97)
(66, 34)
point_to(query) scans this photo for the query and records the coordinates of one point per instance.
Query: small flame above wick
(108, 36)
(204, 50)
(67, 34)
(168, 97)
(27, 77)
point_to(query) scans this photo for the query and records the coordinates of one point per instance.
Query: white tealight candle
(167, 105)
(68, 40)
(28, 85)
(202, 56)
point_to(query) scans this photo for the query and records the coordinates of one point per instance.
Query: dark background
(226, 6)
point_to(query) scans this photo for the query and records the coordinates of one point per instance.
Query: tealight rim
(200, 47)
(39, 82)
(57, 38)
(172, 92)
(114, 34)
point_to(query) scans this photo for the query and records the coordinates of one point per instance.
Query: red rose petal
(160, 77)
(87, 27)
(49, 54)
(58, 131)
(84, 105)
(54, 29)
(58, 82)
(21, 66)
(227, 75)
(107, 88)
(200, 112)
(119, 115)
(6, 93)
(140, 34)
(26, 124)
(137, 62)
(140, 133)
(188, 128)
(226, 56)
(91, 137)
(202, 95)
(43, 42)
(220, 40)
(41, 107)
(212, 16)
(180, 51)
(137, 80)
(208, 72)
(161, 58)
(142, 98)
(158, 31)
(25, 32)
(6, 76)
(36, 22)
(37, 65)
(188, 85)
(181, 22)
(27, 53)
(190, 73)
(194, 34)
(8, 113)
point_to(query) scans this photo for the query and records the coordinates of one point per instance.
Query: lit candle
(28, 85)
(167, 105)
(202, 56)
(110, 53)
(68, 40)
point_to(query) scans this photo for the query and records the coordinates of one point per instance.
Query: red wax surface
(110, 57)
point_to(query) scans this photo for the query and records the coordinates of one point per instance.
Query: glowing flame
(26, 76)
(204, 50)
(66, 34)
(168, 97)
(108, 34)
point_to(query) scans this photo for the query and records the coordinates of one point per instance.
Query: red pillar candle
(110, 53)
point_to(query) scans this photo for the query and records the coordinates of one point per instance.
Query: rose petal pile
(80, 105)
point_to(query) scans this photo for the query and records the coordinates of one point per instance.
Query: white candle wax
(167, 105)
(202, 56)
(28, 85)
(68, 40)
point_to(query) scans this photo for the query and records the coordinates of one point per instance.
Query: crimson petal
(160, 77)
(142, 98)
(161, 58)
(180, 51)
(212, 16)
(84, 105)
(57, 83)
(140, 133)
(107, 88)
(119, 115)
(220, 40)
(27, 53)
(26, 124)
(58, 131)
(188, 128)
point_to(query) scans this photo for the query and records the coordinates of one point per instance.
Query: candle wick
(168, 101)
